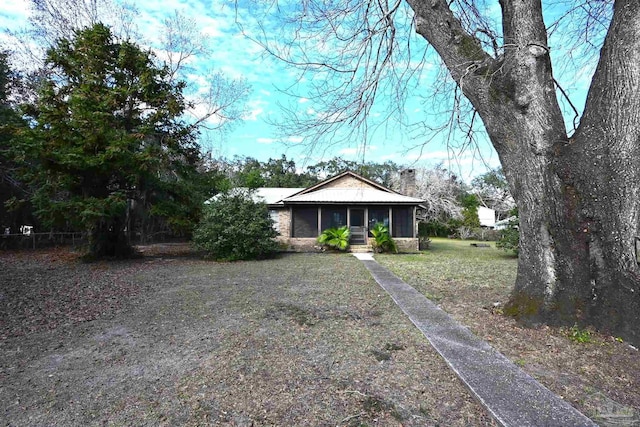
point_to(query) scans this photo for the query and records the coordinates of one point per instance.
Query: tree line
(103, 149)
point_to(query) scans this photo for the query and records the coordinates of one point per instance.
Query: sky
(236, 56)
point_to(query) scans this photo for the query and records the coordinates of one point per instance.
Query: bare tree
(440, 189)
(216, 101)
(492, 189)
(577, 191)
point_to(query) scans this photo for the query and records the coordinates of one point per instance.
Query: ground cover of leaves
(169, 339)
(600, 377)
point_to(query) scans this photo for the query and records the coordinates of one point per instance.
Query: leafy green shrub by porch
(335, 238)
(382, 241)
(234, 227)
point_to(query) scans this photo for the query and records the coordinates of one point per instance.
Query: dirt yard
(173, 340)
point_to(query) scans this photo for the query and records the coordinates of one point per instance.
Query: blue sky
(237, 56)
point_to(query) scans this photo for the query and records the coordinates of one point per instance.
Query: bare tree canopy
(576, 185)
(216, 103)
(441, 191)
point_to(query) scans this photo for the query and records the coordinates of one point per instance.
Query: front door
(357, 227)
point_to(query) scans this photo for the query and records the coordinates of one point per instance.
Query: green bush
(335, 238)
(424, 242)
(234, 227)
(510, 238)
(436, 228)
(382, 241)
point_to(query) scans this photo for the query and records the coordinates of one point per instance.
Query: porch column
(391, 221)
(319, 220)
(366, 222)
(415, 224)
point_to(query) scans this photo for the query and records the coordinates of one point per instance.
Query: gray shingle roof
(273, 195)
(268, 195)
(352, 195)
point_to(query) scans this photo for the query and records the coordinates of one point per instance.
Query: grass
(305, 339)
(453, 270)
(472, 284)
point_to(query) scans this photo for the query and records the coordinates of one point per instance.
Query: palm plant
(335, 237)
(382, 241)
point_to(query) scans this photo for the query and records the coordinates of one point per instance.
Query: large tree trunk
(601, 167)
(578, 197)
(107, 239)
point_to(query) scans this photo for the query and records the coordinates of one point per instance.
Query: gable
(346, 181)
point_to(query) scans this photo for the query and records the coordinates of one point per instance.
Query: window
(377, 215)
(275, 217)
(305, 222)
(402, 222)
(333, 217)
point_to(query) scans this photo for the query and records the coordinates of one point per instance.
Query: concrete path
(512, 397)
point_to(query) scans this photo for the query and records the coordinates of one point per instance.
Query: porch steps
(360, 248)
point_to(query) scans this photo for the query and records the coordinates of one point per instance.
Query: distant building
(487, 217)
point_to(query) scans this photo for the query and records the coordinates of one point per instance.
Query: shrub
(465, 232)
(382, 241)
(424, 242)
(437, 228)
(335, 238)
(234, 227)
(510, 238)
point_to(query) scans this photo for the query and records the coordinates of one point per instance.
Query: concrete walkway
(512, 397)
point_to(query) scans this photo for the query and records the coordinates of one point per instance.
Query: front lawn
(302, 340)
(599, 377)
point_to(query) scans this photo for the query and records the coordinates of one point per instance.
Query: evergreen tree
(107, 140)
(14, 207)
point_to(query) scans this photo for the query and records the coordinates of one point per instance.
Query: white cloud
(252, 115)
(351, 151)
(265, 140)
(295, 139)
(14, 10)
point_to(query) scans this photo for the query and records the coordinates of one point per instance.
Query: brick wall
(300, 244)
(310, 244)
(285, 222)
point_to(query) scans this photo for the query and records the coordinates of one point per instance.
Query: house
(486, 216)
(301, 214)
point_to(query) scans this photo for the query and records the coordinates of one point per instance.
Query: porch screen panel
(402, 222)
(305, 222)
(377, 215)
(333, 217)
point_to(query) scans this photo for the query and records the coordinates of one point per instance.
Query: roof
(351, 195)
(268, 195)
(348, 174)
(273, 195)
(331, 191)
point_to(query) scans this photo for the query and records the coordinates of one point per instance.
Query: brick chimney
(408, 182)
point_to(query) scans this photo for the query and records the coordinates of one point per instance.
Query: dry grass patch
(600, 377)
(174, 340)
